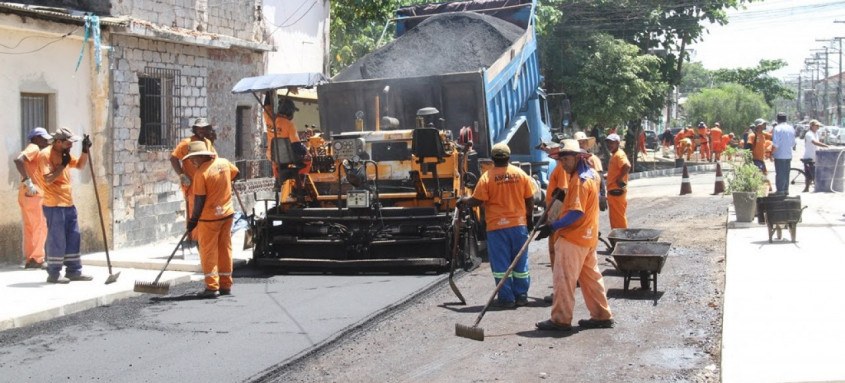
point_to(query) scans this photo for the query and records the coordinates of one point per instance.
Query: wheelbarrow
(638, 260)
(778, 219)
(631, 235)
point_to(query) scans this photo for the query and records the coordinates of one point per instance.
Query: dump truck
(402, 138)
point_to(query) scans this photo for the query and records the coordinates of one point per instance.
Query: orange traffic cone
(719, 188)
(686, 188)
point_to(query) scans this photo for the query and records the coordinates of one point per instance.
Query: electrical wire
(36, 49)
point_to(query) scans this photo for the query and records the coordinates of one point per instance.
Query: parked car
(838, 138)
(651, 141)
(831, 135)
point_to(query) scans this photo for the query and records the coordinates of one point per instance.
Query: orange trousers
(617, 206)
(577, 264)
(704, 151)
(215, 246)
(34, 226)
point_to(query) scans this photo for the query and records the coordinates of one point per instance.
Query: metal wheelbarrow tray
(783, 214)
(636, 260)
(632, 235)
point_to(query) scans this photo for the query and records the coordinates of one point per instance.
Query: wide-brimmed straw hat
(198, 148)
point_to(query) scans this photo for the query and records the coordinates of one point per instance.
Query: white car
(839, 139)
(831, 135)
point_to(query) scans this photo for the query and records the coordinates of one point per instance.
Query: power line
(36, 49)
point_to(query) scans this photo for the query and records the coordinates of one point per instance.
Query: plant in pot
(745, 183)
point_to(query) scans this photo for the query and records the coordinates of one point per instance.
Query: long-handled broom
(477, 333)
(155, 287)
(112, 277)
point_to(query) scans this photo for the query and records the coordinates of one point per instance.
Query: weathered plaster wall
(79, 103)
(226, 17)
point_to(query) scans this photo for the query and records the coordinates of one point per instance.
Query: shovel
(248, 242)
(456, 237)
(112, 277)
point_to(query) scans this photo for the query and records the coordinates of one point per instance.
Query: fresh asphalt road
(267, 321)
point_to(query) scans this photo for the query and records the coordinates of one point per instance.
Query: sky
(774, 29)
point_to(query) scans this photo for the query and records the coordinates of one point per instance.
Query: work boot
(506, 305)
(79, 278)
(208, 294)
(33, 264)
(595, 323)
(522, 300)
(549, 298)
(57, 279)
(225, 292)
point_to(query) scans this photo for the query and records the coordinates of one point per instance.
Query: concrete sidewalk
(26, 297)
(783, 305)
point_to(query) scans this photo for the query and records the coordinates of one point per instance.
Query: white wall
(79, 101)
(300, 31)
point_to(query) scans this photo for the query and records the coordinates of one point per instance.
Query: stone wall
(147, 202)
(225, 17)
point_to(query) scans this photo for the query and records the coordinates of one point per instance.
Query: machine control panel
(347, 148)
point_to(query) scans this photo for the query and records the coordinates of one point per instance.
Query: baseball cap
(198, 148)
(702, 124)
(39, 132)
(613, 137)
(500, 150)
(66, 134)
(579, 136)
(759, 121)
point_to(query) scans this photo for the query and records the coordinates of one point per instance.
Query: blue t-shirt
(783, 139)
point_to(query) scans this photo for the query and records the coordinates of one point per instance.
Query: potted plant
(745, 183)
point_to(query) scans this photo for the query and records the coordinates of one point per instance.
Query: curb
(671, 172)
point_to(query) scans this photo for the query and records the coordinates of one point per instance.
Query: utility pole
(798, 105)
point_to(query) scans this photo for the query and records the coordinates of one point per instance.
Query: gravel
(448, 43)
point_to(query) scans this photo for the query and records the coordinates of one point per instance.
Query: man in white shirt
(811, 141)
(783, 140)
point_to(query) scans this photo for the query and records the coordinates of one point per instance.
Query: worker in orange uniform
(575, 235)
(687, 147)
(617, 182)
(212, 217)
(202, 132)
(63, 237)
(29, 198)
(757, 142)
(507, 194)
(703, 136)
(677, 142)
(716, 142)
(726, 143)
(280, 125)
(641, 144)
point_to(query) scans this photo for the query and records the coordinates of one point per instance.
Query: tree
(758, 79)
(733, 105)
(695, 77)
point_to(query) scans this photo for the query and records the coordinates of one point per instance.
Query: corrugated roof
(63, 14)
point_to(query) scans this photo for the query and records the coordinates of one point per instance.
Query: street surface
(397, 328)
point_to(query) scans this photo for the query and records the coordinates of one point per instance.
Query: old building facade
(161, 65)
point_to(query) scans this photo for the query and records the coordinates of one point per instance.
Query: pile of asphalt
(448, 43)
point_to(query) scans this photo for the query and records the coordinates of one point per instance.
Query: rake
(477, 333)
(157, 287)
(112, 277)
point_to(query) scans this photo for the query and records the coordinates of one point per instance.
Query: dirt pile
(448, 43)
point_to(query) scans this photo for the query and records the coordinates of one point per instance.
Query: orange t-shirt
(726, 141)
(557, 180)
(182, 149)
(758, 147)
(582, 196)
(214, 180)
(33, 170)
(57, 193)
(283, 129)
(614, 168)
(716, 138)
(504, 191)
(702, 135)
(678, 137)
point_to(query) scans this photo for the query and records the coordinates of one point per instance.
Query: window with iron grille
(160, 107)
(34, 113)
